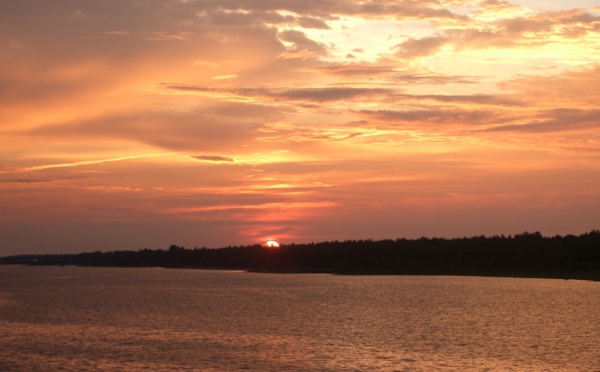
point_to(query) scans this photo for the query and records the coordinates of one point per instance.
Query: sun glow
(272, 244)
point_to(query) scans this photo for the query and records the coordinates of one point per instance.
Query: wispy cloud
(213, 158)
(84, 162)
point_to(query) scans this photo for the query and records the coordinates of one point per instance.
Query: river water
(72, 318)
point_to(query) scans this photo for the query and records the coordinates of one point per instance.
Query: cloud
(331, 94)
(90, 162)
(166, 130)
(224, 77)
(359, 69)
(299, 134)
(572, 88)
(475, 99)
(571, 24)
(249, 111)
(406, 9)
(556, 120)
(301, 46)
(318, 94)
(311, 22)
(393, 74)
(412, 48)
(21, 180)
(427, 117)
(520, 31)
(213, 158)
(401, 8)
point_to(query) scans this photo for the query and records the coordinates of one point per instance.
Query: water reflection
(158, 319)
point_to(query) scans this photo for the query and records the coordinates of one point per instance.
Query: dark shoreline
(591, 275)
(525, 255)
(588, 275)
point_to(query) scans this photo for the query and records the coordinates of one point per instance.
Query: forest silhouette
(522, 255)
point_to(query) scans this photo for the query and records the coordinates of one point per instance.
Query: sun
(272, 244)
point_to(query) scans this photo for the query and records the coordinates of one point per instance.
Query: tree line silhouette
(526, 254)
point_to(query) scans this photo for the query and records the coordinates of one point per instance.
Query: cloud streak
(213, 158)
(83, 162)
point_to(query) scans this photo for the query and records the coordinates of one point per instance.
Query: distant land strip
(522, 255)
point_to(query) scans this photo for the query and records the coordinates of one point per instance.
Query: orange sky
(134, 124)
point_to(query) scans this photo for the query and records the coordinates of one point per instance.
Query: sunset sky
(139, 124)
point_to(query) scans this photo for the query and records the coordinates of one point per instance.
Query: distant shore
(524, 255)
(590, 275)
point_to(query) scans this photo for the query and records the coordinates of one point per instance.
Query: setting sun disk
(272, 244)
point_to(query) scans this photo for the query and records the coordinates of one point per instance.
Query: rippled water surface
(71, 318)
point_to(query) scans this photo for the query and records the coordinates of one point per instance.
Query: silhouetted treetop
(525, 254)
